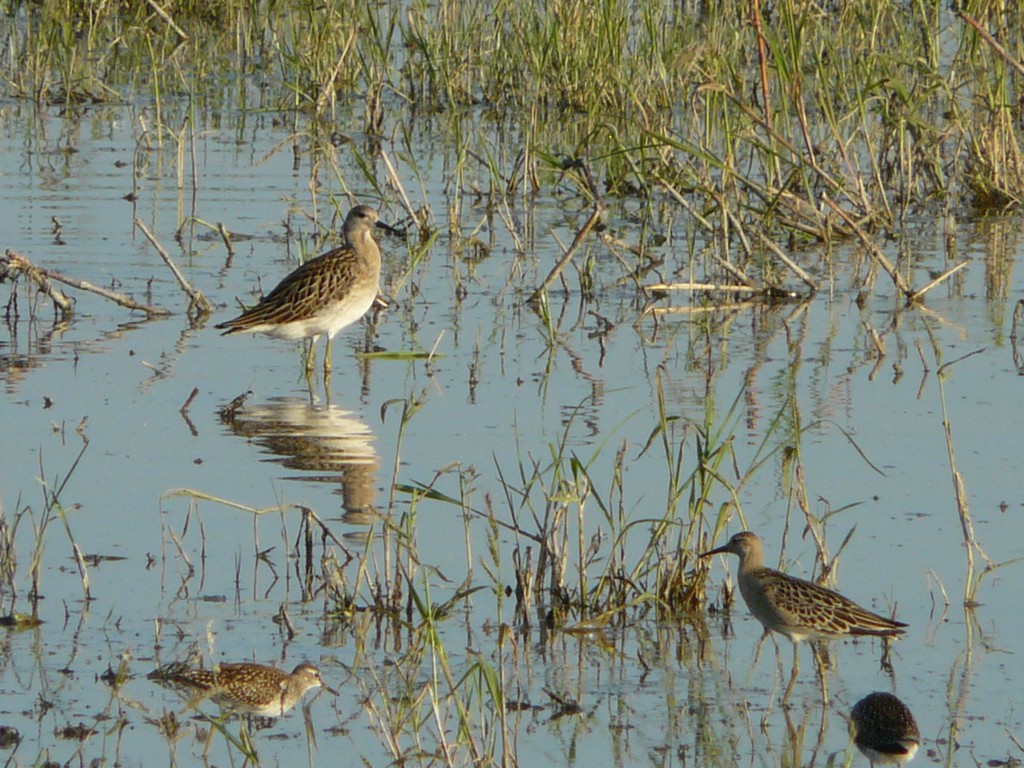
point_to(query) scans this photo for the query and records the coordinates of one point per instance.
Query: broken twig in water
(197, 302)
(18, 263)
(876, 254)
(184, 408)
(226, 237)
(595, 216)
(1008, 57)
(793, 266)
(567, 257)
(714, 287)
(940, 278)
(182, 37)
(184, 412)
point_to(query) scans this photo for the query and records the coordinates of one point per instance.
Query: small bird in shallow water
(885, 729)
(798, 609)
(323, 295)
(246, 688)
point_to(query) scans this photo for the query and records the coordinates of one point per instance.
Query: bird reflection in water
(325, 443)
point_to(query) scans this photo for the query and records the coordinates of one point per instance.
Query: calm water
(497, 395)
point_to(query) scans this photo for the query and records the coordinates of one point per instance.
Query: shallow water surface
(505, 389)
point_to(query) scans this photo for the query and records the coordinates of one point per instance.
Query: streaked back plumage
(323, 295)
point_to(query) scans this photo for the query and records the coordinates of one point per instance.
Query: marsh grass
(53, 510)
(871, 105)
(772, 132)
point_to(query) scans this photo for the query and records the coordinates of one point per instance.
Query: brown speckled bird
(798, 609)
(246, 688)
(323, 295)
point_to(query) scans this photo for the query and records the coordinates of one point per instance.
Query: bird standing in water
(323, 295)
(245, 688)
(798, 609)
